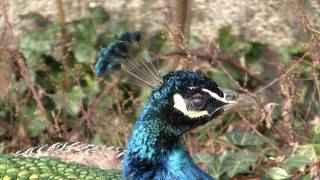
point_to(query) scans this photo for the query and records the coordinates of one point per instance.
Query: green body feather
(17, 167)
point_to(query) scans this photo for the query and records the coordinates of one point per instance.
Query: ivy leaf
(287, 53)
(204, 157)
(277, 173)
(2, 131)
(156, 42)
(85, 32)
(35, 44)
(227, 162)
(217, 167)
(296, 161)
(34, 120)
(69, 102)
(316, 138)
(219, 77)
(1, 147)
(99, 15)
(35, 19)
(255, 52)
(225, 40)
(239, 162)
(84, 53)
(312, 151)
(244, 138)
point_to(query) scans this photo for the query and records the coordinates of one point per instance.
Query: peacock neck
(153, 153)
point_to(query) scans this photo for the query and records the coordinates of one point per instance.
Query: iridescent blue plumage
(154, 150)
(110, 58)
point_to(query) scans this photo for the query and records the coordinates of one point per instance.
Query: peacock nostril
(232, 97)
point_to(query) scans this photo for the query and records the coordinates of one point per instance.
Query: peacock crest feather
(125, 54)
(110, 58)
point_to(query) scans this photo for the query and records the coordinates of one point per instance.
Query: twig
(6, 25)
(61, 18)
(294, 66)
(183, 17)
(314, 44)
(315, 39)
(93, 106)
(30, 83)
(207, 56)
(259, 134)
(20, 61)
(67, 82)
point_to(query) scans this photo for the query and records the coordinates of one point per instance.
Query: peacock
(179, 102)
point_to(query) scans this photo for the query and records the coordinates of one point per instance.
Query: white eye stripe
(181, 105)
(216, 96)
(196, 114)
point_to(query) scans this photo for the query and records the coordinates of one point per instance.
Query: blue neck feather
(154, 150)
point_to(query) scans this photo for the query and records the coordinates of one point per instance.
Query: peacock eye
(198, 101)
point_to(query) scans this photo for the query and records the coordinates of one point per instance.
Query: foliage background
(49, 92)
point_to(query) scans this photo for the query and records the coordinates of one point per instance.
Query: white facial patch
(180, 104)
(216, 96)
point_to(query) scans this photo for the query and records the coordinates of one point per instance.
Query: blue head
(183, 102)
(188, 99)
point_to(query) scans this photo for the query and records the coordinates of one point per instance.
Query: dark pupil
(197, 102)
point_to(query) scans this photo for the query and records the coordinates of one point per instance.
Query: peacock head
(188, 99)
(181, 100)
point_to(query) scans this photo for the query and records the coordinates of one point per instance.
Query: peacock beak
(236, 100)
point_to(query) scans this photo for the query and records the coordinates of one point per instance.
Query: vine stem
(260, 135)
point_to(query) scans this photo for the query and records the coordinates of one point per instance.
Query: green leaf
(38, 19)
(85, 32)
(227, 162)
(97, 139)
(277, 173)
(244, 138)
(316, 139)
(287, 53)
(296, 161)
(239, 162)
(156, 42)
(216, 162)
(69, 102)
(92, 85)
(312, 151)
(35, 44)
(1, 147)
(256, 50)
(84, 53)
(220, 77)
(75, 96)
(2, 131)
(306, 177)
(225, 40)
(317, 129)
(99, 15)
(204, 157)
(217, 166)
(33, 120)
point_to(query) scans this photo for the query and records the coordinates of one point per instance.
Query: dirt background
(275, 22)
